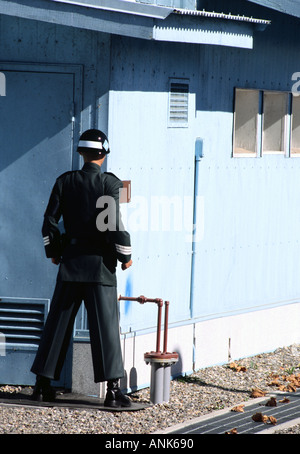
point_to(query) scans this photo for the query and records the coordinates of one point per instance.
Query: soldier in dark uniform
(87, 255)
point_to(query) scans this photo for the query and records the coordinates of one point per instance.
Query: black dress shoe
(114, 397)
(43, 391)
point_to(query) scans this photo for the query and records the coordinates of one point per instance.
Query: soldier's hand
(55, 260)
(127, 265)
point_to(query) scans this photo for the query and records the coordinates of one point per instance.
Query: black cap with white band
(93, 140)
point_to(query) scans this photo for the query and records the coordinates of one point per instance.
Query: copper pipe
(142, 300)
(158, 328)
(166, 326)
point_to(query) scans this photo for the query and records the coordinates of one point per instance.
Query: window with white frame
(266, 122)
(274, 137)
(245, 122)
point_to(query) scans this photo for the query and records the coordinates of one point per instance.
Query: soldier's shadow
(132, 382)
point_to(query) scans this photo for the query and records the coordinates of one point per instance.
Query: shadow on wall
(130, 384)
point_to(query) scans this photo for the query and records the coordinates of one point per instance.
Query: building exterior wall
(250, 205)
(246, 261)
(245, 290)
(56, 83)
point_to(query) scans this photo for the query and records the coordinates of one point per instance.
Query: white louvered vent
(21, 323)
(178, 103)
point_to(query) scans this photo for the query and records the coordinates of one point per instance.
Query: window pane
(295, 137)
(275, 110)
(245, 130)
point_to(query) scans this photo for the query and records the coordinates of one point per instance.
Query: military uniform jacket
(94, 238)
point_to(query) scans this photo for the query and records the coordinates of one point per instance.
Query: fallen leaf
(295, 380)
(272, 420)
(285, 401)
(272, 375)
(232, 431)
(282, 388)
(238, 408)
(256, 392)
(272, 402)
(259, 417)
(291, 388)
(237, 367)
(274, 382)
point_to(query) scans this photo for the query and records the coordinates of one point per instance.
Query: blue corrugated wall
(55, 85)
(247, 256)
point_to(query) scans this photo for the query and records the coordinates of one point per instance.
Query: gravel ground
(204, 391)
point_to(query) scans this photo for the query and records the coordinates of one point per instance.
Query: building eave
(137, 21)
(205, 27)
(289, 7)
(123, 6)
(216, 15)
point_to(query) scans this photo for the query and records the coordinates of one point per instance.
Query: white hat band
(90, 144)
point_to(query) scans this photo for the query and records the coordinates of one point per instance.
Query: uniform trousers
(102, 310)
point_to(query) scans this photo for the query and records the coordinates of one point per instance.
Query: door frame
(76, 71)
